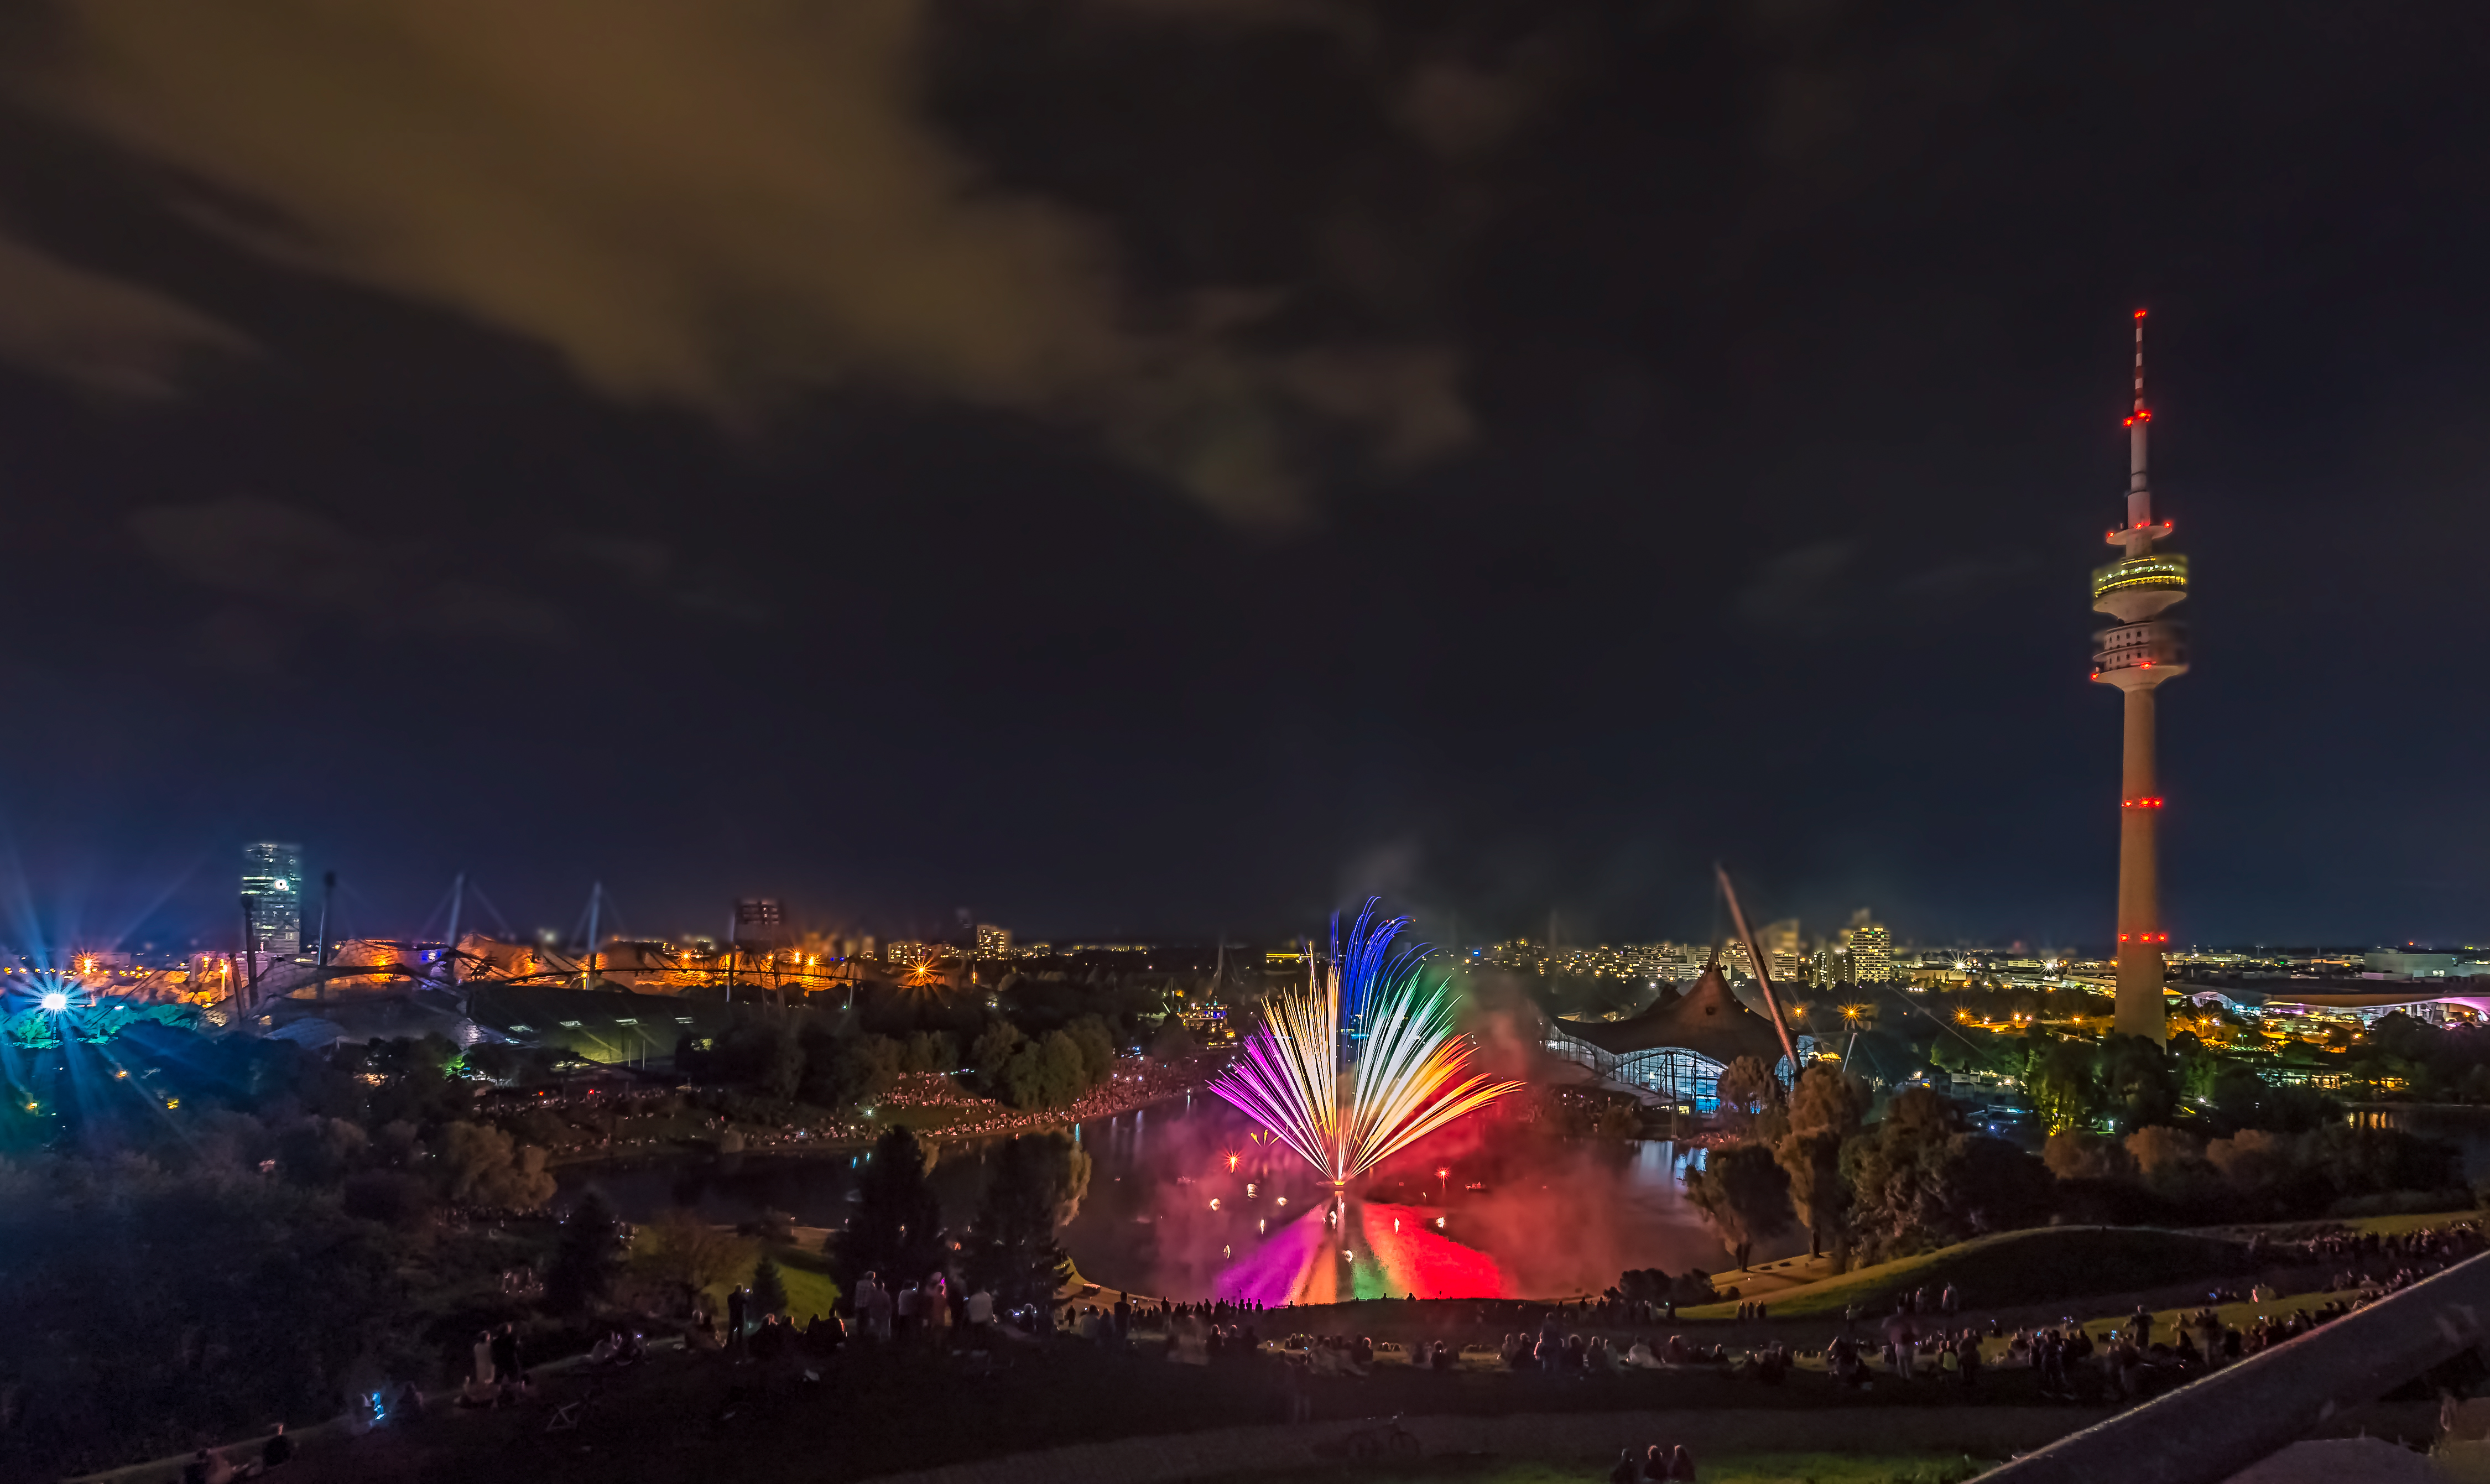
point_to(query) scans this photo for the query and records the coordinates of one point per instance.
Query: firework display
(1362, 1062)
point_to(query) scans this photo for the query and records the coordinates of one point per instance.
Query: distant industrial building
(2391, 964)
(271, 884)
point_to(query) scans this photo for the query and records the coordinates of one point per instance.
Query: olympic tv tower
(2137, 655)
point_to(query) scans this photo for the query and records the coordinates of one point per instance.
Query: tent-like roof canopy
(1707, 1020)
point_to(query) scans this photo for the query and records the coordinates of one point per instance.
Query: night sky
(1164, 466)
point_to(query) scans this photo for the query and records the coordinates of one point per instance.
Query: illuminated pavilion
(1677, 1048)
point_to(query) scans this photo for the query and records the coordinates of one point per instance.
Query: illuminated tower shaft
(2137, 656)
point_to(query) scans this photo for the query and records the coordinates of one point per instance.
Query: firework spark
(1406, 1070)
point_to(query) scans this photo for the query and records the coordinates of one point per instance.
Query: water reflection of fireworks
(1358, 1249)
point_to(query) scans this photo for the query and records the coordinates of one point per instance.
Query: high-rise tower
(2137, 655)
(272, 882)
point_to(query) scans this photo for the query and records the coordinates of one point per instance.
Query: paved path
(1585, 1438)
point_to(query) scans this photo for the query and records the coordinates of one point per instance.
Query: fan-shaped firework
(1347, 1089)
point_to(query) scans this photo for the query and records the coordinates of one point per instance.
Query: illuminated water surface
(1189, 1199)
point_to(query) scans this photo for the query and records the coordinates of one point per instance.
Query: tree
(1978, 1184)
(319, 1151)
(1744, 1195)
(1918, 1179)
(586, 1258)
(897, 1227)
(480, 1165)
(1827, 1108)
(1097, 1044)
(930, 1051)
(2075, 1155)
(2245, 1100)
(682, 1250)
(2166, 1157)
(1886, 1168)
(2063, 1092)
(846, 1072)
(768, 1289)
(762, 1055)
(1828, 1101)
(393, 1198)
(992, 1050)
(1011, 1248)
(1045, 1073)
(1812, 1163)
(1174, 1041)
(2254, 1160)
(1747, 1084)
(2138, 1083)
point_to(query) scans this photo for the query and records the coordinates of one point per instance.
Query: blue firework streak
(1368, 968)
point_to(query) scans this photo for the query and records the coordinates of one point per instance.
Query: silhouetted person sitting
(769, 1341)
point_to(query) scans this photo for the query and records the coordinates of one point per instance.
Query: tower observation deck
(2142, 651)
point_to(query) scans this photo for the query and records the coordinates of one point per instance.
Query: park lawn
(806, 1273)
(2014, 1268)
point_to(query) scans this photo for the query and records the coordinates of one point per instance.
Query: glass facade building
(272, 882)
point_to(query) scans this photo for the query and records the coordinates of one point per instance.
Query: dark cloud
(98, 333)
(1805, 591)
(286, 560)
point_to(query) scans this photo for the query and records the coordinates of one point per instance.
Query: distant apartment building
(1653, 961)
(1781, 949)
(1872, 953)
(271, 883)
(993, 942)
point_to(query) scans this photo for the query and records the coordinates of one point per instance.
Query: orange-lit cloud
(725, 205)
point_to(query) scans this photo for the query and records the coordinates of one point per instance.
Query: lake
(1188, 1199)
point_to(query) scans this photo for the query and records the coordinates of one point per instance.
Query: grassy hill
(2041, 1265)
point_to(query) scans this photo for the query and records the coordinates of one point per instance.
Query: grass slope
(2042, 1265)
(2381, 1226)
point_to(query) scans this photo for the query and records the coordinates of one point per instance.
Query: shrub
(768, 1289)
(393, 1198)
(586, 1259)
